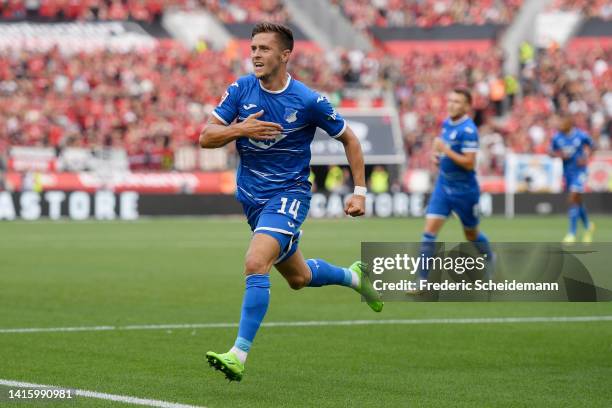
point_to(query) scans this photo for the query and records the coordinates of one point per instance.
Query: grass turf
(189, 271)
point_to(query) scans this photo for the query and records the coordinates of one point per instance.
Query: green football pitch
(131, 290)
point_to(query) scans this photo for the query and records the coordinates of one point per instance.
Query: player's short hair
(466, 94)
(284, 34)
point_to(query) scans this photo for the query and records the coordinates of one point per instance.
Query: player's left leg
(481, 242)
(438, 210)
(260, 256)
(466, 206)
(573, 214)
(300, 273)
(576, 188)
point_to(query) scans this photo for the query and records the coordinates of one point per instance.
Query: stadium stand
(60, 10)
(153, 102)
(577, 81)
(248, 11)
(429, 13)
(590, 8)
(149, 101)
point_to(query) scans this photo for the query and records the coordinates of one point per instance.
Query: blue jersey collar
(458, 121)
(280, 90)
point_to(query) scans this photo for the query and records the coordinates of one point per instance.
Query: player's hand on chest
(452, 137)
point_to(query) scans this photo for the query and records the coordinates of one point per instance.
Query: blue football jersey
(571, 145)
(271, 166)
(462, 137)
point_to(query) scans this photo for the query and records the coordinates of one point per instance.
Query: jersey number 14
(293, 208)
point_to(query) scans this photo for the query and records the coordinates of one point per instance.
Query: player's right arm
(218, 134)
(221, 129)
(588, 147)
(555, 150)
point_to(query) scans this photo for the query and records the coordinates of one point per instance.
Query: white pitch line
(100, 395)
(478, 320)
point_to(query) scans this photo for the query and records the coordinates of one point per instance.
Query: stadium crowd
(590, 8)
(576, 81)
(235, 11)
(156, 101)
(52, 10)
(247, 11)
(427, 13)
(151, 100)
(363, 13)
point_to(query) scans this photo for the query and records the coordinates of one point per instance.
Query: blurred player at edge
(574, 147)
(276, 120)
(456, 189)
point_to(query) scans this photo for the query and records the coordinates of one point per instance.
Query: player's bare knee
(574, 198)
(254, 264)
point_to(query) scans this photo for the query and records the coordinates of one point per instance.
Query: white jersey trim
(216, 115)
(458, 121)
(434, 215)
(279, 91)
(282, 231)
(340, 132)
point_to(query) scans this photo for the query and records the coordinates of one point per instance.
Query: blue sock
(482, 243)
(254, 307)
(573, 213)
(583, 216)
(428, 246)
(324, 274)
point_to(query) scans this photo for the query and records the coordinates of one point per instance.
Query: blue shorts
(464, 203)
(575, 181)
(280, 217)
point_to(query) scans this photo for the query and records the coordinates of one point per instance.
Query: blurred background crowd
(153, 101)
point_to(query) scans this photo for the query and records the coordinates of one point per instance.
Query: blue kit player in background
(574, 147)
(273, 118)
(456, 189)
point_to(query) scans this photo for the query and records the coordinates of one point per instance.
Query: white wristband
(360, 191)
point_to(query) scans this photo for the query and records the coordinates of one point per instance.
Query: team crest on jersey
(290, 115)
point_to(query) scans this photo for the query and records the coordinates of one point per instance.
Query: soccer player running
(276, 120)
(456, 189)
(575, 148)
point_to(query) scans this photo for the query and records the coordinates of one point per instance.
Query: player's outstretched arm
(355, 206)
(217, 134)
